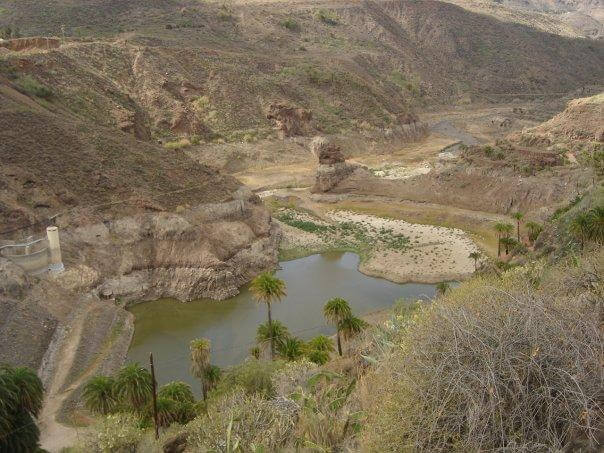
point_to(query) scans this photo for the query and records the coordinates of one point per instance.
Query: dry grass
(497, 365)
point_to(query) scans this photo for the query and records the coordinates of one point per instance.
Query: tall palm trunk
(475, 264)
(203, 389)
(339, 342)
(498, 245)
(518, 229)
(270, 328)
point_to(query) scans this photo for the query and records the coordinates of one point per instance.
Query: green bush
(253, 376)
(178, 144)
(290, 24)
(327, 17)
(30, 86)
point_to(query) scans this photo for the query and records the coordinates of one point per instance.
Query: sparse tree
(518, 216)
(475, 256)
(99, 395)
(335, 311)
(133, 386)
(267, 289)
(201, 351)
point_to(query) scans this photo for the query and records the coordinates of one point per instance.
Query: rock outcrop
(580, 121)
(289, 120)
(206, 251)
(332, 168)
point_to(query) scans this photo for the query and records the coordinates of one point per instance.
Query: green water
(165, 327)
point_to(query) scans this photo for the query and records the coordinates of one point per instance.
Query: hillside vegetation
(185, 68)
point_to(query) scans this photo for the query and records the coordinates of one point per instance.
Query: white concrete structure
(54, 249)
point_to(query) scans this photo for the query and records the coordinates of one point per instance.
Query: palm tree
(518, 216)
(177, 391)
(168, 411)
(351, 326)
(442, 288)
(133, 385)
(318, 357)
(595, 227)
(99, 395)
(500, 228)
(321, 343)
(267, 288)
(534, 230)
(274, 333)
(475, 256)
(291, 349)
(508, 242)
(335, 311)
(213, 374)
(200, 359)
(21, 395)
(255, 352)
(29, 388)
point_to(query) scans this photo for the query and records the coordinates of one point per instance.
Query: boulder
(328, 153)
(332, 168)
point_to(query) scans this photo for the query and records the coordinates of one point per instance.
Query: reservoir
(166, 326)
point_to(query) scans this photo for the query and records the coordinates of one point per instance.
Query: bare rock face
(333, 168)
(289, 120)
(206, 251)
(21, 44)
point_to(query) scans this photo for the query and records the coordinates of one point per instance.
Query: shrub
(178, 144)
(117, 432)
(253, 376)
(249, 421)
(30, 86)
(327, 17)
(496, 365)
(290, 24)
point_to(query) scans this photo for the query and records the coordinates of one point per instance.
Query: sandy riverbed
(433, 253)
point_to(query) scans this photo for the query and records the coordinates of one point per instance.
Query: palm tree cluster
(338, 312)
(130, 390)
(504, 231)
(201, 368)
(269, 289)
(21, 395)
(589, 226)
